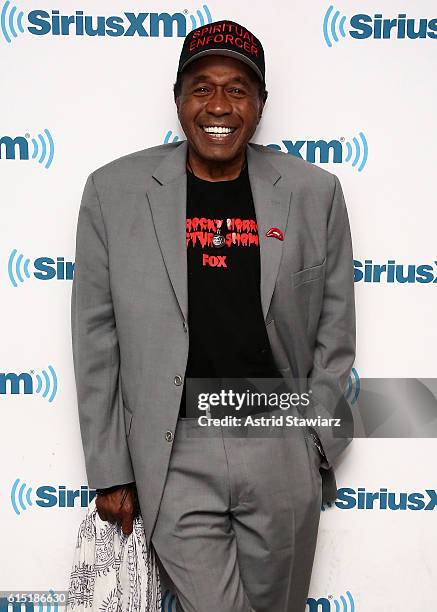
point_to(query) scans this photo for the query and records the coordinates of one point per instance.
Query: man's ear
(261, 109)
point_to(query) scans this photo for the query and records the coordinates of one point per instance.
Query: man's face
(219, 92)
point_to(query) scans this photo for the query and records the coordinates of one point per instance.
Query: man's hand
(119, 505)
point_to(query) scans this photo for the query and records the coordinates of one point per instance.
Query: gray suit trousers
(238, 520)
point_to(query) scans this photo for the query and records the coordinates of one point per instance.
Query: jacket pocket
(308, 274)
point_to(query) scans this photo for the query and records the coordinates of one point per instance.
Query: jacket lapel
(272, 204)
(167, 197)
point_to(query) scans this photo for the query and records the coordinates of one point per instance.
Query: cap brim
(228, 53)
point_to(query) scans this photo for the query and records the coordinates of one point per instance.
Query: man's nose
(218, 104)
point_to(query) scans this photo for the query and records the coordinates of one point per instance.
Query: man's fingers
(127, 524)
(117, 507)
(106, 516)
(100, 510)
(104, 511)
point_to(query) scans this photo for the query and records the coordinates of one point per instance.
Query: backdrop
(352, 88)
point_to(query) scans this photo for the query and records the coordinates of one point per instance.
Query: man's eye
(237, 90)
(201, 90)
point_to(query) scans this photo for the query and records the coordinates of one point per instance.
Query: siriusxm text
(383, 499)
(393, 272)
(41, 23)
(380, 27)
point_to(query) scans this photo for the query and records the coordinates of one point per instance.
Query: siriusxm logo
(44, 268)
(29, 383)
(383, 499)
(47, 496)
(343, 603)
(42, 23)
(392, 272)
(40, 149)
(362, 26)
(354, 151)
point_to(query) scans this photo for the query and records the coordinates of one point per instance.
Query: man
(213, 257)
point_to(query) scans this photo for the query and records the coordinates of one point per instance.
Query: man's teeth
(218, 130)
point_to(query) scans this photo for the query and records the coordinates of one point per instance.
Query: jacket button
(178, 380)
(185, 327)
(169, 436)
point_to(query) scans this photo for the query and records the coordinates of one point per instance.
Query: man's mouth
(218, 131)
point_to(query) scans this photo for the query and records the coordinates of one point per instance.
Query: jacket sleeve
(335, 343)
(96, 355)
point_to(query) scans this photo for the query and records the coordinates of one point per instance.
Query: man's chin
(218, 153)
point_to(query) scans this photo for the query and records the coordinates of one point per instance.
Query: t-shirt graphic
(202, 232)
(227, 333)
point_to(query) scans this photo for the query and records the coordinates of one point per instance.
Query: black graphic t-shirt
(226, 326)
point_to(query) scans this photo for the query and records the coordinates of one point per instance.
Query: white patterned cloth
(112, 571)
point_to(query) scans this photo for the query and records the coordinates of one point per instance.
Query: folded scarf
(112, 571)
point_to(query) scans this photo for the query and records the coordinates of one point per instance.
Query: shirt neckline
(240, 178)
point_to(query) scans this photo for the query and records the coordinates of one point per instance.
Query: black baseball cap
(224, 38)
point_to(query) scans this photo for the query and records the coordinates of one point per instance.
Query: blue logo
(168, 137)
(24, 497)
(354, 151)
(343, 603)
(362, 26)
(353, 387)
(44, 268)
(40, 149)
(392, 272)
(150, 25)
(44, 383)
(383, 499)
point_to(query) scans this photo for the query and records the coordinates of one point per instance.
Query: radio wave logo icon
(47, 383)
(22, 383)
(11, 20)
(168, 137)
(357, 151)
(41, 23)
(333, 26)
(169, 600)
(344, 603)
(21, 496)
(337, 151)
(18, 268)
(43, 149)
(199, 19)
(353, 387)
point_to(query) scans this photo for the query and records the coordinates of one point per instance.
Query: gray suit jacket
(129, 312)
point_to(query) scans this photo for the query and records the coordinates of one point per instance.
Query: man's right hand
(119, 505)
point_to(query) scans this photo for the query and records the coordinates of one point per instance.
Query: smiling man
(214, 258)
